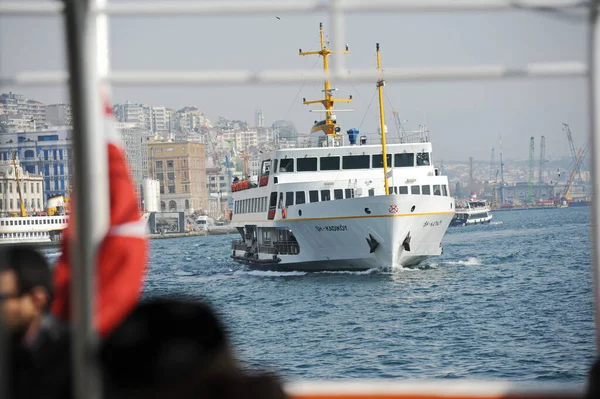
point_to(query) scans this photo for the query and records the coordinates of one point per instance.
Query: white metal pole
(91, 191)
(594, 118)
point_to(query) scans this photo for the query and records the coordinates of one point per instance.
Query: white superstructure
(325, 208)
(31, 229)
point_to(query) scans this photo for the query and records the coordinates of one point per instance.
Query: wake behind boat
(342, 204)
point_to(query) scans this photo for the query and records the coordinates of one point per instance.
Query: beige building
(32, 189)
(180, 168)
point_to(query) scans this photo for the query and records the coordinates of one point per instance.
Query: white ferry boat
(32, 229)
(343, 204)
(474, 211)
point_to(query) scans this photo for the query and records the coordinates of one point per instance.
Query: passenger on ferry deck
(175, 349)
(39, 360)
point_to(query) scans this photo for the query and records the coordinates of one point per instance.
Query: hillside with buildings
(194, 159)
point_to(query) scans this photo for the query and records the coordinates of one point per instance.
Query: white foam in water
(358, 273)
(468, 262)
(497, 222)
(400, 268)
(267, 273)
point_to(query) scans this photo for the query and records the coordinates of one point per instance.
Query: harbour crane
(574, 154)
(580, 155)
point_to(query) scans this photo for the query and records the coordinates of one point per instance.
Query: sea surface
(511, 300)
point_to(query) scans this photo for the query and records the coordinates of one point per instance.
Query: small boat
(221, 227)
(28, 226)
(474, 211)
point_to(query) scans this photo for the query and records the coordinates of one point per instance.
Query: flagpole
(86, 60)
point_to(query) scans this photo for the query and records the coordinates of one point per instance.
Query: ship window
(313, 195)
(356, 162)
(415, 189)
(404, 160)
(422, 159)
(338, 194)
(273, 200)
(349, 193)
(371, 192)
(300, 197)
(325, 195)
(286, 165)
(266, 167)
(280, 203)
(330, 163)
(289, 198)
(378, 160)
(426, 190)
(275, 163)
(436, 189)
(444, 190)
(306, 164)
(253, 205)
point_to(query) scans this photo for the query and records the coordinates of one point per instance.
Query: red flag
(122, 255)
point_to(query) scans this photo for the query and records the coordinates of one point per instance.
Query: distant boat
(473, 211)
(32, 229)
(221, 227)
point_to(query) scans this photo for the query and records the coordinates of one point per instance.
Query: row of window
(346, 162)
(33, 221)
(24, 185)
(10, 202)
(250, 205)
(253, 205)
(24, 235)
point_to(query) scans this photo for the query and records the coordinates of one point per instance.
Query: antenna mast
(329, 125)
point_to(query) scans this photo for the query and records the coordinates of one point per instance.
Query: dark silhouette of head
(25, 287)
(163, 341)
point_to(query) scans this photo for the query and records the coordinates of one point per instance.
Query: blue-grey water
(511, 300)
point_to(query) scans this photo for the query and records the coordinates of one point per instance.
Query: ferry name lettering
(432, 224)
(341, 227)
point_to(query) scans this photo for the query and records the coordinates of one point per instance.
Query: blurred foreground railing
(430, 389)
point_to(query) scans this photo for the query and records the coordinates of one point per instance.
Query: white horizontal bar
(241, 77)
(39, 8)
(452, 5)
(41, 78)
(463, 388)
(565, 69)
(288, 6)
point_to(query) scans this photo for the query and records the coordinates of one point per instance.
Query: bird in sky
(277, 17)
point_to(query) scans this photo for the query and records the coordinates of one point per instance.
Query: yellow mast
(380, 84)
(14, 159)
(329, 125)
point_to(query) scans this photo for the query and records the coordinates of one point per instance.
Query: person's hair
(30, 267)
(165, 340)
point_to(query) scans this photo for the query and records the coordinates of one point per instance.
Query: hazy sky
(465, 118)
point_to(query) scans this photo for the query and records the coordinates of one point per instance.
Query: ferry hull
(361, 234)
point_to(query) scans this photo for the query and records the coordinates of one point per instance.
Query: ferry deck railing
(87, 38)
